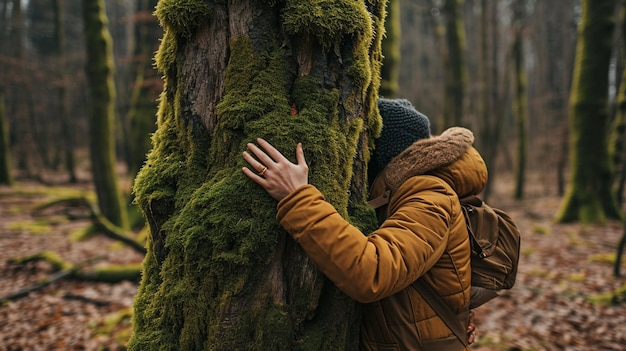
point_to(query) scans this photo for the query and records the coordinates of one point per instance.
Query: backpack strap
(442, 309)
(381, 200)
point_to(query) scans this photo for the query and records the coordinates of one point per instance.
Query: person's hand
(471, 329)
(275, 173)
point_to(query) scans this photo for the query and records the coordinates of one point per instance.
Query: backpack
(495, 243)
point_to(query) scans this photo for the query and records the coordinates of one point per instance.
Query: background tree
(391, 51)
(146, 88)
(589, 196)
(618, 151)
(19, 104)
(219, 273)
(554, 33)
(520, 101)
(99, 70)
(455, 70)
(5, 158)
(66, 122)
(491, 113)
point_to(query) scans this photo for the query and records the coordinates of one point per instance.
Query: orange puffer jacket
(424, 235)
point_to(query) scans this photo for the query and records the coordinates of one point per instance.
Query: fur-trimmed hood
(449, 156)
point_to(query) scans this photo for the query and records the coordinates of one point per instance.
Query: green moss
(542, 230)
(360, 69)
(608, 258)
(183, 17)
(32, 227)
(576, 277)
(256, 84)
(55, 261)
(617, 297)
(116, 273)
(327, 20)
(117, 324)
(364, 218)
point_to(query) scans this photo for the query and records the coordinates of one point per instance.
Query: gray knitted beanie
(402, 126)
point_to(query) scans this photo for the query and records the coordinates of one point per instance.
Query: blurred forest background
(503, 68)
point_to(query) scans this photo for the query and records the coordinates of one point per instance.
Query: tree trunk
(99, 69)
(618, 151)
(487, 140)
(17, 52)
(220, 274)
(455, 70)
(67, 132)
(498, 91)
(146, 89)
(521, 99)
(5, 158)
(391, 51)
(618, 130)
(589, 197)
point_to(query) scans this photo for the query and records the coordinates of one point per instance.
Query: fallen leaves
(550, 308)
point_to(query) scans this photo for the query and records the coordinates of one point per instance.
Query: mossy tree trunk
(99, 69)
(5, 158)
(618, 130)
(618, 151)
(589, 196)
(520, 104)
(147, 86)
(455, 74)
(390, 70)
(220, 274)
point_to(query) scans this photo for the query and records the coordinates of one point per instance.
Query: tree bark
(520, 100)
(67, 132)
(455, 70)
(391, 51)
(589, 197)
(146, 88)
(618, 128)
(618, 150)
(99, 69)
(220, 274)
(5, 156)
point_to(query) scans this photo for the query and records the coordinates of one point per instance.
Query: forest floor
(564, 269)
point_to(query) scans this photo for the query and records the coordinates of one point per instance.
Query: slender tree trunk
(486, 140)
(391, 51)
(5, 158)
(521, 99)
(220, 274)
(618, 150)
(17, 51)
(67, 130)
(146, 89)
(618, 130)
(455, 70)
(102, 113)
(5, 145)
(589, 197)
(498, 91)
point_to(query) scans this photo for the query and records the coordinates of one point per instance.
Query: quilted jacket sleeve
(369, 268)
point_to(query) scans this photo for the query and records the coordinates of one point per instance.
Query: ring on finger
(263, 171)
